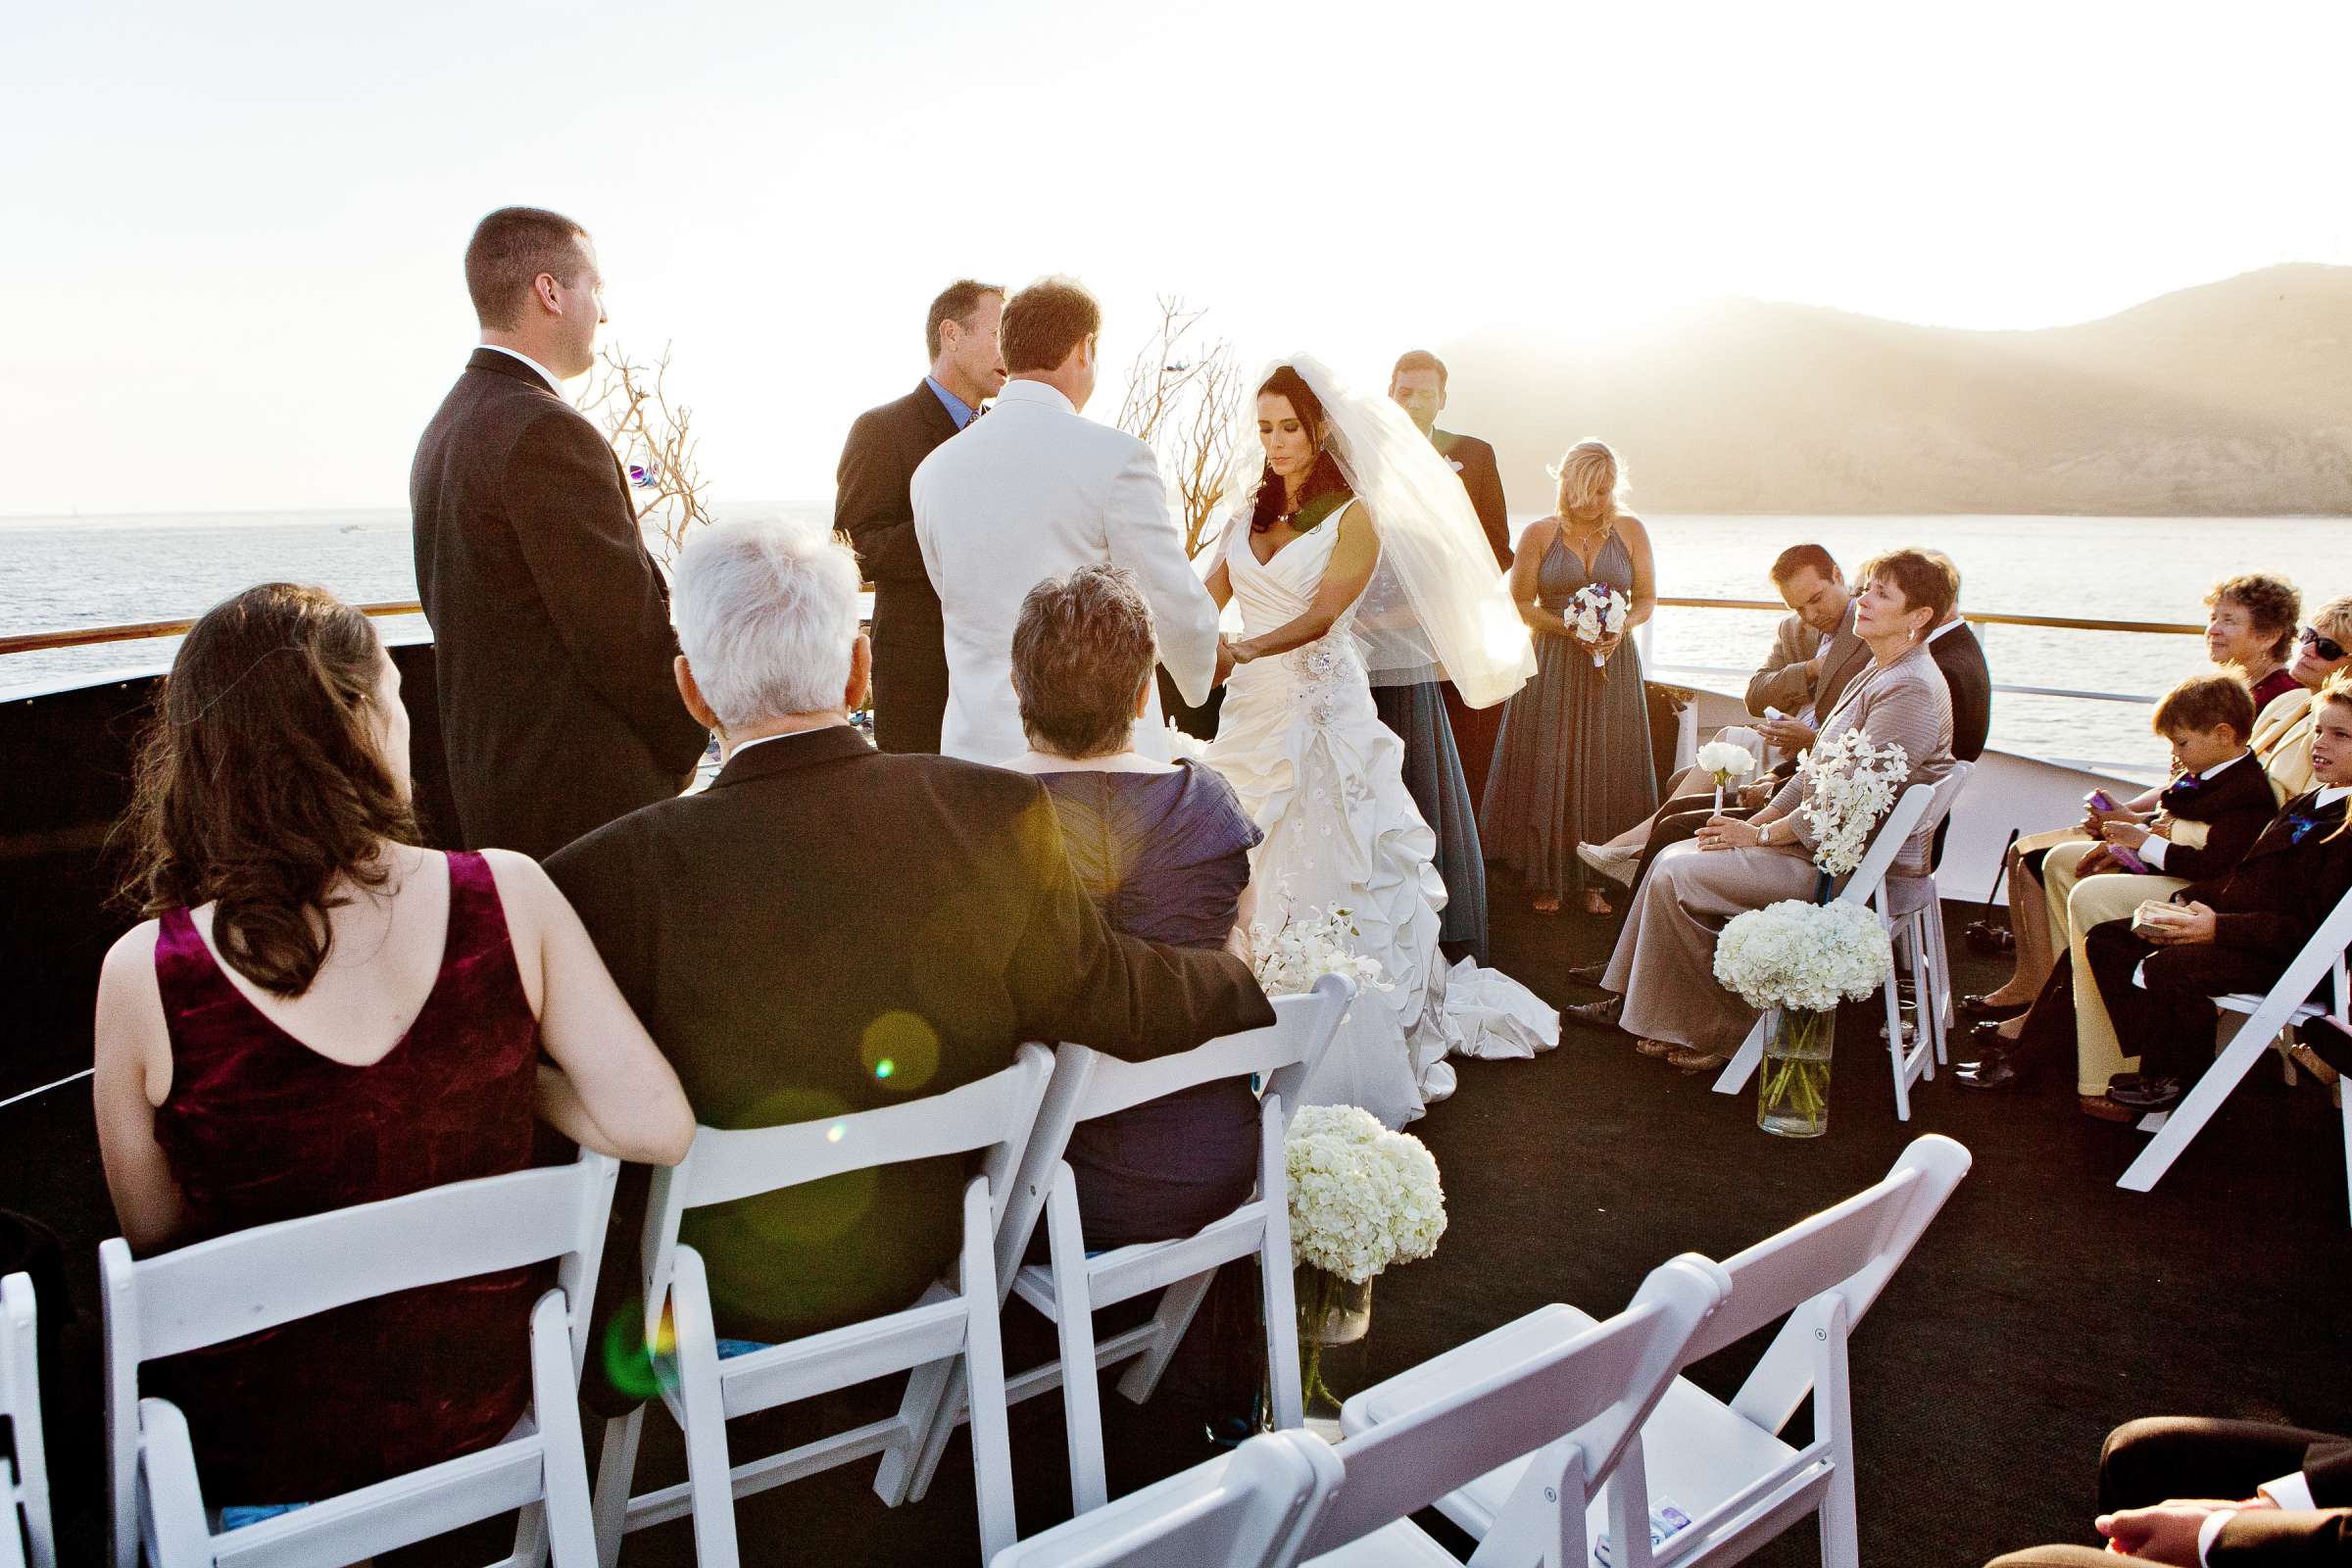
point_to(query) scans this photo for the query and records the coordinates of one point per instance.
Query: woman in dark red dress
(323, 1014)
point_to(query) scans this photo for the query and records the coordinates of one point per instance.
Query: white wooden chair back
(1088, 1084)
(25, 1484)
(1849, 1251)
(2264, 1016)
(257, 1279)
(953, 1325)
(995, 1113)
(1246, 1509)
(1902, 820)
(1553, 1381)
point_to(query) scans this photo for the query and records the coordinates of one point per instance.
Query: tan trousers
(2077, 903)
(1664, 962)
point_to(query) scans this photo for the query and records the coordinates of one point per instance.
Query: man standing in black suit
(553, 645)
(828, 928)
(871, 504)
(1417, 386)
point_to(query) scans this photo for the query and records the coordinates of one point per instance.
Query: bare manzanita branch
(652, 439)
(1183, 395)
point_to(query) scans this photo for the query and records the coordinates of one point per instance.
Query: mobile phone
(2127, 859)
(2101, 800)
(1774, 714)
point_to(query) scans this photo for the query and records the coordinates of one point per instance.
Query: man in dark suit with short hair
(870, 504)
(829, 928)
(550, 623)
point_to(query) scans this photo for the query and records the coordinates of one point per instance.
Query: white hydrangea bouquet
(1307, 946)
(1727, 761)
(1360, 1199)
(1801, 959)
(1850, 783)
(1597, 610)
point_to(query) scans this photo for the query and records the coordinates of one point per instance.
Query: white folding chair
(25, 1534)
(1555, 1394)
(1900, 823)
(1726, 1466)
(2249, 1024)
(236, 1285)
(954, 1322)
(1908, 907)
(1245, 1509)
(1088, 1084)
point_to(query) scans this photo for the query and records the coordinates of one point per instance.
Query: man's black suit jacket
(1474, 461)
(824, 907)
(550, 623)
(1961, 657)
(871, 504)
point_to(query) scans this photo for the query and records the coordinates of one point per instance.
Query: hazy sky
(231, 277)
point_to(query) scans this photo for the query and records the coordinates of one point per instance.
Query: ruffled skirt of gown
(1323, 778)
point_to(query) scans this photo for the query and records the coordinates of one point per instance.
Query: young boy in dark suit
(2158, 973)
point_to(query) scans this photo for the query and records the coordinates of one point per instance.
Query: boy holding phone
(2157, 972)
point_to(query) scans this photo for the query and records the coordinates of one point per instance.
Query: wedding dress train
(1300, 741)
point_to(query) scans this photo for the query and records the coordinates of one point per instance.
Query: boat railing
(90, 635)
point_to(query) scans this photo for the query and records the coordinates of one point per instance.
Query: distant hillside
(2232, 398)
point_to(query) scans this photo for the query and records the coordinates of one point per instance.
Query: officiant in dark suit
(1418, 386)
(550, 624)
(828, 928)
(871, 504)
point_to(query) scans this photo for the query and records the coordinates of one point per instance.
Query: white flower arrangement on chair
(1850, 783)
(1597, 610)
(1307, 946)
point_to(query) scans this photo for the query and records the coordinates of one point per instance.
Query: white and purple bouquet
(1596, 612)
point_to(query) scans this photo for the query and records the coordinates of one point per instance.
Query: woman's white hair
(767, 616)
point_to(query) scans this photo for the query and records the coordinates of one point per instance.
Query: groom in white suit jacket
(1035, 490)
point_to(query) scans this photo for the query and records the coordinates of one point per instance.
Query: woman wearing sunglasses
(2282, 730)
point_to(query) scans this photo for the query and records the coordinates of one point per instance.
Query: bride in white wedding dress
(1357, 551)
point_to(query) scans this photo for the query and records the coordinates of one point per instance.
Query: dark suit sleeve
(1072, 977)
(2328, 1470)
(870, 503)
(579, 538)
(2228, 835)
(1970, 681)
(1482, 478)
(2266, 1538)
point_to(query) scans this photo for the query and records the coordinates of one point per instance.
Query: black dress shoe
(1602, 1014)
(1983, 1037)
(1977, 1007)
(2148, 1094)
(1992, 1072)
(1588, 975)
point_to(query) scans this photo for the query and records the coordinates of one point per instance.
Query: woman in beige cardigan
(1663, 968)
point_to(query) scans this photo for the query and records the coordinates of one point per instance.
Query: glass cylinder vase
(1793, 1096)
(1335, 1321)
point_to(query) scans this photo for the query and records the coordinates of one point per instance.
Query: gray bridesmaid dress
(1573, 761)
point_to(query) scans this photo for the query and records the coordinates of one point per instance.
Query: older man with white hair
(823, 907)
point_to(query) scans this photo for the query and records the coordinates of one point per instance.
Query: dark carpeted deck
(2043, 1308)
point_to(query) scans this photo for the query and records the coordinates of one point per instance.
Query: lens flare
(900, 1048)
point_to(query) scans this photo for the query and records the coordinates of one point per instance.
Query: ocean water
(57, 574)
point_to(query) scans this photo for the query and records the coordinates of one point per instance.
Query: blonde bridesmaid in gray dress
(1571, 760)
